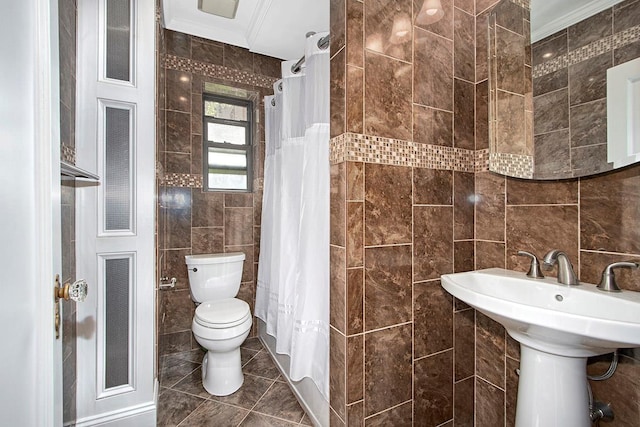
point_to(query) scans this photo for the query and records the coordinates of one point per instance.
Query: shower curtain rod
(323, 43)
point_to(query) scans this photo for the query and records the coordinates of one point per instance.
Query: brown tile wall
(67, 30)
(402, 351)
(192, 221)
(400, 348)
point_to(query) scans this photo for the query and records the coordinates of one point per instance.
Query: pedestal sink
(558, 327)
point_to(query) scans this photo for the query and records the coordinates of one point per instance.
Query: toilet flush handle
(194, 269)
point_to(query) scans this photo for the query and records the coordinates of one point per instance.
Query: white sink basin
(571, 321)
(558, 327)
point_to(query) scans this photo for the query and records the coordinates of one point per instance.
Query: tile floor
(264, 399)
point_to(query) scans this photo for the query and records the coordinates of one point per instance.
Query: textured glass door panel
(116, 322)
(118, 40)
(117, 181)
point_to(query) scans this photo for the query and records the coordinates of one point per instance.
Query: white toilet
(221, 322)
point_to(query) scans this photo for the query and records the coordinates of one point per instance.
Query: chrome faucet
(566, 275)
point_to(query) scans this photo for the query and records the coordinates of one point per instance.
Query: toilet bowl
(221, 322)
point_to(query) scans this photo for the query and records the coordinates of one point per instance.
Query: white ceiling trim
(538, 32)
(257, 21)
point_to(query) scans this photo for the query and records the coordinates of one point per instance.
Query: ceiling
(275, 28)
(548, 17)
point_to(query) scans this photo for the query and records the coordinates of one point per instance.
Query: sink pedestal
(552, 390)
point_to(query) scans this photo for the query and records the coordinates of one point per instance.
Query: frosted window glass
(117, 185)
(229, 134)
(116, 367)
(118, 39)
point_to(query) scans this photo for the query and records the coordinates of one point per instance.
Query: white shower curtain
(292, 295)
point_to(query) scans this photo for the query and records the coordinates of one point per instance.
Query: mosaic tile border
(68, 153)
(589, 51)
(210, 70)
(375, 149)
(184, 180)
(515, 165)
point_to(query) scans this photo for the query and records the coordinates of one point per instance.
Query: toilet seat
(222, 314)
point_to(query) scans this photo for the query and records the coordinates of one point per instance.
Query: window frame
(248, 124)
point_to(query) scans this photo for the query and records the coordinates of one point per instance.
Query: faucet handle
(534, 269)
(608, 279)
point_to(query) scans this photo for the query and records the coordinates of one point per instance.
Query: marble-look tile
(513, 348)
(355, 181)
(172, 264)
(626, 14)
(432, 242)
(510, 60)
(538, 229)
(177, 163)
(173, 407)
(388, 370)
(387, 204)
(464, 345)
(592, 265)
(482, 116)
(626, 53)
(551, 82)
(247, 267)
(207, 52)
(192, 384)
(337, 205)
(207, 209)
(280, 402)
(355, 414)
(511, 391)
(337, 91)
(306, 421)
(432, 319)
(529, 192)
(334, 419)
(510, 129)
(483, 5)
(589, 160)
(464, 185)
(490, 206)
(337, 288)
(489, 255)
(608, 211)
(174, 343)
(551, 112)
(207, 240)
(355, 234)
(252, 344)
(463, 402)
(490, 350)
(255, 419)
(213, 414)
(178, 44)
(262, 366)
(266, 65)
(355, 368)
(246, 355)
(178, 90)
(553, 155)
(443, 27)
(489, 404)
(589, 79)
(238, 226)
(387, 97)
(466, 5)
(464, 115)
(622, 390)
(432, 126)
(355, 33)
(178, 309)
(251, 391)
(387, 286)
(178, 233)
(238, 200)
(238, 58)
(432, 187)
(463, 256)
(550, 47)
(400, 416)
(510, 15)
(338, 15)
(355, 300)
(593, 28)
(482, 48)
(173, 370)
(354, 98)
(337, 370)
(433, 70)
(196, 154)
(381, 18)
(463, 44)
(433, 389)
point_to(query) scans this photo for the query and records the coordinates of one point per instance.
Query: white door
(31, 368)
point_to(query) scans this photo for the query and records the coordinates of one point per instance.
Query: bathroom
(402, 351)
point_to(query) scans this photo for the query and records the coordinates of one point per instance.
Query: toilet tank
(214, 276)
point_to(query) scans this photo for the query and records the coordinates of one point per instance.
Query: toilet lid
(224, 313)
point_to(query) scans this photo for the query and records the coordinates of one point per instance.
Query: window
(228, 151)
